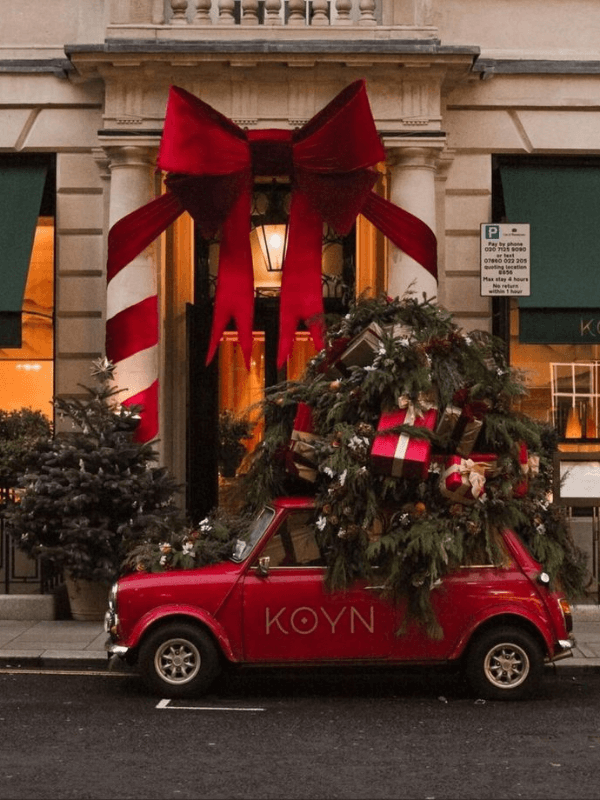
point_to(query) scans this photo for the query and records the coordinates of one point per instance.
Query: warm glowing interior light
(573, 430)
(272, 243)
(27, 372)
(275, 240)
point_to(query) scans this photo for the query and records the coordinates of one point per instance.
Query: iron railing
(20, 574)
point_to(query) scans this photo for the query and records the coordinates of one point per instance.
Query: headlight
(544, 578)
(112, 595)
(110, 618)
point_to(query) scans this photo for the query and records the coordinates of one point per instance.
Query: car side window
(295, 543)
(278, 549)
(478, 555)
(301, 530)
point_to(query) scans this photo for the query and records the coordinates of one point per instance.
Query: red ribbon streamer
(212, 164)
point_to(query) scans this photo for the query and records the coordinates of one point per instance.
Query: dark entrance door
(203, 384)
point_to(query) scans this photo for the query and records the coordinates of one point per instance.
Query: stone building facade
(463, 93)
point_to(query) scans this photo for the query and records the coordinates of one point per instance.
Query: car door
(480, 585)
(290, 616)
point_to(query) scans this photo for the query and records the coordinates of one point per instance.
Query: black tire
(178, 660)
(504, 664)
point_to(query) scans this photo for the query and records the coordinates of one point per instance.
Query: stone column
(131, 301)
(412, 188)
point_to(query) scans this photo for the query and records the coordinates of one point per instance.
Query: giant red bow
(212, 164)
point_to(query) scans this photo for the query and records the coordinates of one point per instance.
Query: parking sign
(505, 260)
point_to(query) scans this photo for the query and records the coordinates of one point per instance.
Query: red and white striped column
(412, 188)
(132, 319)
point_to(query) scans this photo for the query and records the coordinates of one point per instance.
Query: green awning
(562, 205)
(21, 190)
(559, 325)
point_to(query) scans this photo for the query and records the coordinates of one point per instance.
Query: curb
(69, 663)
(51, 660)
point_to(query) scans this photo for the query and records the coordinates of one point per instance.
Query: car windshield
(243, 547)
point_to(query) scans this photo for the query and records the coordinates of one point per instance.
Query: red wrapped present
(402, 455)
(463, 479)
(303, 422)
(303, 460)
(530, 467)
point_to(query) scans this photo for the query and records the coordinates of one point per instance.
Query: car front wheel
(505, 664)
(178, 660)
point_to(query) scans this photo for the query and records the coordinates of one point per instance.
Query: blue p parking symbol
(492, 231)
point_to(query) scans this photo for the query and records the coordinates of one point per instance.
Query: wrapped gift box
(302, 446)
(462, 425)
(303, 460)
(402, 455)
(530, 467)
(463, 479)
(362, 349)
(329, 364)
(303, 423)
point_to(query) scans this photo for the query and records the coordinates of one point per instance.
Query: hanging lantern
(270, 215)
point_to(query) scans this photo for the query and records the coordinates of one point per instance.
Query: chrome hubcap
(506, 665)
(177, 661)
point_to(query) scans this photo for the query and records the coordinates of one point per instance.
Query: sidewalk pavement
(68, 644)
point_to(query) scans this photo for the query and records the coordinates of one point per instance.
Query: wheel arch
(505, 619)
(162, 617)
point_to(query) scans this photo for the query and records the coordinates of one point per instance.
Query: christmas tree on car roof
(404, 430)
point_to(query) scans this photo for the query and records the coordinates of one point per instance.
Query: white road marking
(165, 704)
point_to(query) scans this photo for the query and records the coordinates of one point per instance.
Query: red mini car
(268, 606)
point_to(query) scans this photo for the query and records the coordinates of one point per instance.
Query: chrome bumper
(115, 649)
(566, 650)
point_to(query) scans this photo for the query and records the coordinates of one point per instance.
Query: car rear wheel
(178, 660)
(505, 664)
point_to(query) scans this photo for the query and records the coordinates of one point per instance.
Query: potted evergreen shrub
(20, 429)
(91, 493)
(233, 429)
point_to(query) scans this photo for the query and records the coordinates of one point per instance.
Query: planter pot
(88, 599)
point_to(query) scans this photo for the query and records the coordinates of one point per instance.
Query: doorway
(225, 383)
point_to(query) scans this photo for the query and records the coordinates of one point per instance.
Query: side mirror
(263, 566)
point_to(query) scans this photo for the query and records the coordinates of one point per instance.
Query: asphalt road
(265, 734)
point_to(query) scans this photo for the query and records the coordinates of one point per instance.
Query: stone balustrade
(179, 18)
(291, 13)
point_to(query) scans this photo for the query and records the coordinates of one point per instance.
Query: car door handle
(379, 588)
